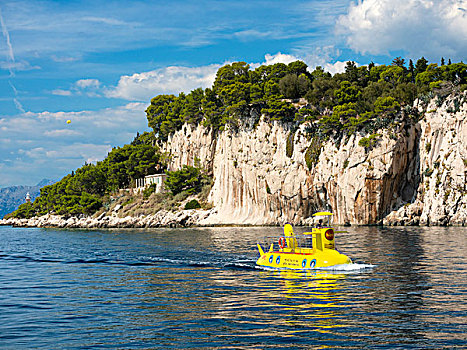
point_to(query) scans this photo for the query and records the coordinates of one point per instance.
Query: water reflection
(200, 289)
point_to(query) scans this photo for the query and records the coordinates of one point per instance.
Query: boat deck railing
(302, 241)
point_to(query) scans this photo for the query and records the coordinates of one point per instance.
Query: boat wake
(343, 268)
(347, 267)
(214, 263)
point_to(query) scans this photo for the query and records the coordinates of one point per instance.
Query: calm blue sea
(199, 288)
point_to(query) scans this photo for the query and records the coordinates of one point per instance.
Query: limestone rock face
(256, 182)
(441, 195)
(189, 146)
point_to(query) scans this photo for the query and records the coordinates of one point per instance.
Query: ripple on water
(200, 288)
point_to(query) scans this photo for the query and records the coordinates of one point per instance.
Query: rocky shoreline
(163, 218)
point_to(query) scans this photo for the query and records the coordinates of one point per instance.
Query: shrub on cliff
(313, 152)
(290, 145)
(193, 204)
(188, 179)
(369, 142)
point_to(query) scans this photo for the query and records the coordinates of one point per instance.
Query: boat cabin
(321, 237)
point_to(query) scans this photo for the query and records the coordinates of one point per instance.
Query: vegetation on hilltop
(343, 102)
(83, 191)
(86, 190)
(361, 98)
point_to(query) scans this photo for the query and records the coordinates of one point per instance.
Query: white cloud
(279, 58)
(336, 67)
(419, 27)
(105, 20)
(81, 151)
(43, 145)
(18, 66)
(64, 59)
(37, 152)
(87, 87)
(60, 92)
(169, 80)
(88, 83)
(61, 132)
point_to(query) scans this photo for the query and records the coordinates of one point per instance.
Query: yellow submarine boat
(292, 255)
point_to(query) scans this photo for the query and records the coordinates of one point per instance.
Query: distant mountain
(12, 197)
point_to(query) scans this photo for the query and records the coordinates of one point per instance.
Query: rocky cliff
(411, 173)
(440, 196)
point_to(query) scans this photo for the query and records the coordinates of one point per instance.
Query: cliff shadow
(400, 184)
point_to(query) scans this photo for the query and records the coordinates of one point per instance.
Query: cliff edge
(411, 173)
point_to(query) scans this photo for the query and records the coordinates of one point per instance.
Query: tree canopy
(271, 90)
(82, 191)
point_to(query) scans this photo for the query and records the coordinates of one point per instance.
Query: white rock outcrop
(255, 182)
(441, 194)
(163, 218)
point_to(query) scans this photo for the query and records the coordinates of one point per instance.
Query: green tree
(212, 109)
(371, 92)
(192, 111)
(293, 86)
(386, 105)
(411, 72)
(235, 97)
(298, 68)
(398, 62)
(322, 93)
(347, 93)
(237, 72)
(319, 73)
(351, 71)
(421, 65)
(344, 112)
(89, 203)
(278, 109)
(394, 75)
(157, 112)
(187, 179)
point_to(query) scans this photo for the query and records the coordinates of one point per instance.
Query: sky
(99, 63)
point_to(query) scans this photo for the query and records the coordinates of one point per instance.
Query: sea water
(200, 288)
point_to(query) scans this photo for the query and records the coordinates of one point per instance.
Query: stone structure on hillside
(156, 179)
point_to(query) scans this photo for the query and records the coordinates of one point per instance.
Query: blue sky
(98, 63)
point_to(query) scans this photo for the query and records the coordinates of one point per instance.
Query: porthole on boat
(304, 263)
(312, 263)
(271, 259)
(278, 259)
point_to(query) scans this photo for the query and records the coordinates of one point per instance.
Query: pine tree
(442, 61)
(412, 70)
(398, 61)
(421, 65)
